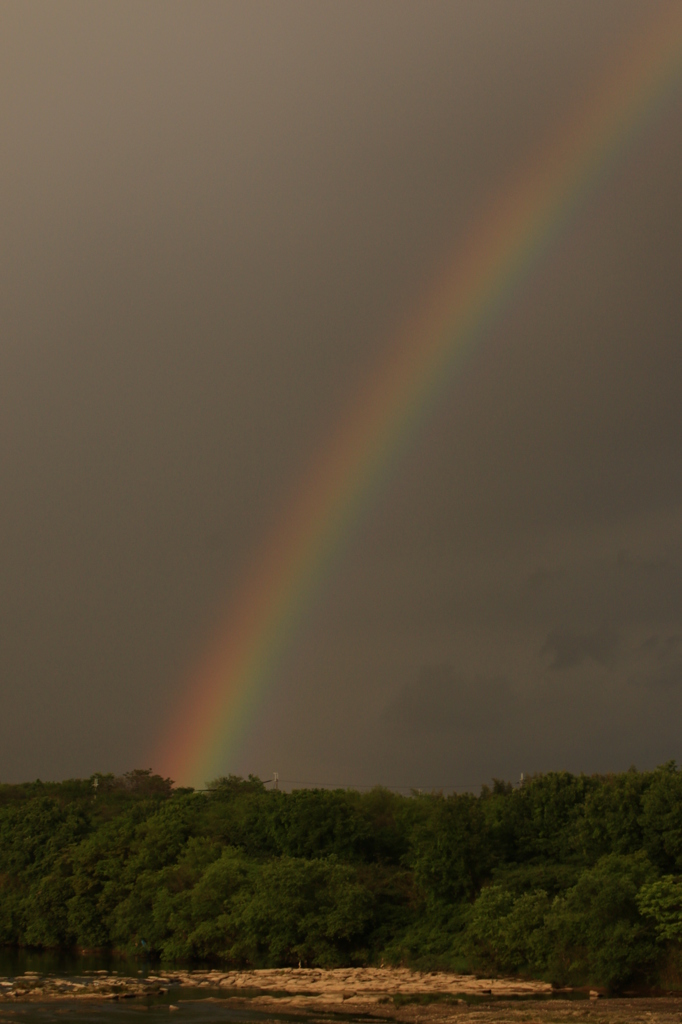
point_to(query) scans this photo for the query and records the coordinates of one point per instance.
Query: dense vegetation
(577, 879)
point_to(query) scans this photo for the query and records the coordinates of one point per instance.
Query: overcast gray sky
(215, 218)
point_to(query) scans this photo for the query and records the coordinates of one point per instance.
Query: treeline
(577, 879)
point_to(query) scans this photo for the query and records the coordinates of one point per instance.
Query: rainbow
(225, 693)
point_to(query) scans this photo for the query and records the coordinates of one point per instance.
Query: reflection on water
(68, 965)
(203, 1011)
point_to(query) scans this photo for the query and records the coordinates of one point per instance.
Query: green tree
(597, 931)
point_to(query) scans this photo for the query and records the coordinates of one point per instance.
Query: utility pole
(275, 779)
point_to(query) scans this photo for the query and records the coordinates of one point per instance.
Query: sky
(215, 219)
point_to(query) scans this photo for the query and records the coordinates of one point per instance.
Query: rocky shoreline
(302, 988)
(388, 994)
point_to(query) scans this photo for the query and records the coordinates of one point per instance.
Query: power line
(433, 788)
(348, 785)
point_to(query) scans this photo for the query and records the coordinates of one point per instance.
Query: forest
(574, 879)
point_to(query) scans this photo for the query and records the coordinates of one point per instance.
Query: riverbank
(387, 994)
(302, 988)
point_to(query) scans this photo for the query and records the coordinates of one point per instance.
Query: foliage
(573, 878)
(661, 901)
(597, 932)
(507, 933)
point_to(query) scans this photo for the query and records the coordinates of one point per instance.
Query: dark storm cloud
(662, 647)
(624, 590)
(215, 217)
(669, 678)
(440, 701)
(568, 649)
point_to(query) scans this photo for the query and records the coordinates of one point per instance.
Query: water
(69, 965)
(179, 1005)
(188, 1012)
(176, 1007)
